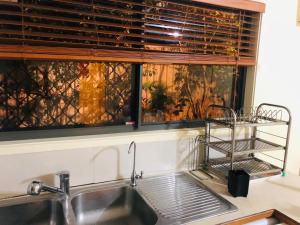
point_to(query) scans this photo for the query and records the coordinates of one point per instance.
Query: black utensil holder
(238, 183)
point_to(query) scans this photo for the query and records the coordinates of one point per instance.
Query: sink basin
(46, 212)
(116, 206)
(170, 199)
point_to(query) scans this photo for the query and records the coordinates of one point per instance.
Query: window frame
(136, 114)
(298, 13)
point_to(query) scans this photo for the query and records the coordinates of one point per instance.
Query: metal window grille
(45, 94)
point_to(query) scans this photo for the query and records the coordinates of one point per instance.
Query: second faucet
(134, 175)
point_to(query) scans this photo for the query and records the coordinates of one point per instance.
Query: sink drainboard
(183, 198)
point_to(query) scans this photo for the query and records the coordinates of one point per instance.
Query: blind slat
(162, 27)
(38, 52)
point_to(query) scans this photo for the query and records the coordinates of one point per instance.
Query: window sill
(46, 144)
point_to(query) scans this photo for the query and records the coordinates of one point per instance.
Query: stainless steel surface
(252, 116)
(116, 206)
(245, 121)
(172, 199)
(255, 167)
(264, 115)
(44, 212)
(182, 198)
(36, 187)
(245, 146)
(134, 176)
(64, 181)
(229, 115)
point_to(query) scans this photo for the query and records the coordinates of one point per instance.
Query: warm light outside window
(183, 92)
(44, 94)
(61, 94)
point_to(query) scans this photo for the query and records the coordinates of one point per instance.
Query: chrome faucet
(36, 187)
(134, 176)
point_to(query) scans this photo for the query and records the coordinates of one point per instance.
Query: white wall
(93, 159)
(278, 71)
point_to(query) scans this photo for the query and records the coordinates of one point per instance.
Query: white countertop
(277, 192)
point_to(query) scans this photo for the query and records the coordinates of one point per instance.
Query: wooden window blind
(169, 31)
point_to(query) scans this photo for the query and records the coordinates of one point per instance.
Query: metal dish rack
(241, 153)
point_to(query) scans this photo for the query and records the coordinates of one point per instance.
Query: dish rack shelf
(245, 146)
(255, 167)
(240, 153)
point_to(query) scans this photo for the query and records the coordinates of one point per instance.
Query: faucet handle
(35, 187)
(64, 179)
(63, 174)
(139, 176)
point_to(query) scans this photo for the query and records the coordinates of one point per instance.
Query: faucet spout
(134, 175)
(36, 187)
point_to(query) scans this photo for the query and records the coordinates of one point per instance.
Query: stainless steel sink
(45, 212)
(173, 199)
(182, 198)
(116, 206)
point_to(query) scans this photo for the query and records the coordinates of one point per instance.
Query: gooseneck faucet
(134, 176)
(36, 187)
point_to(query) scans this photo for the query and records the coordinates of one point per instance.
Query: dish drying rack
(241, 153)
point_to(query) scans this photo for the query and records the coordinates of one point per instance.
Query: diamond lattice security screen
(51, 94)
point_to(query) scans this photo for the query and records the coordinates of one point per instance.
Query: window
(59, 94)
(127, 64)
(183, 92)
(45, 94)
(298, 13)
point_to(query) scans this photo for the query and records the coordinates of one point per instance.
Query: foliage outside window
(58, 94)
(44, 94)
(183, 92)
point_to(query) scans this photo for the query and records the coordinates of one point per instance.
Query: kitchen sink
(45, 212)
(116, 206)
(172, 199)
